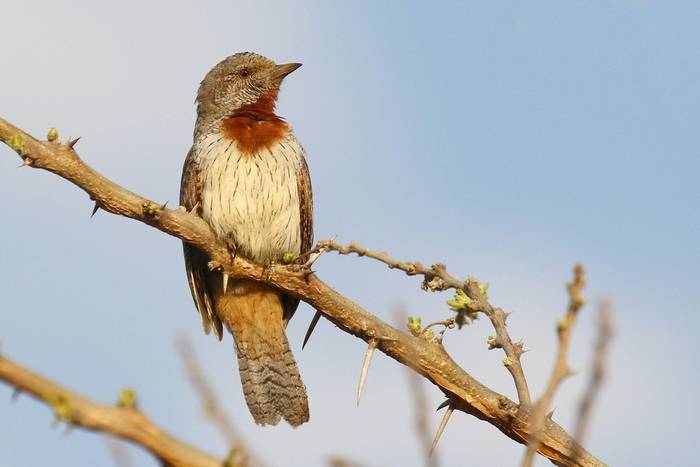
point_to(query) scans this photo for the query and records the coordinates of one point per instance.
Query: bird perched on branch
(246, 176)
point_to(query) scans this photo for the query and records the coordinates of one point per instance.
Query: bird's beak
(281, 71)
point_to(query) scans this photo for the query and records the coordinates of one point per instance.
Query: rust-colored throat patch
(255, 126)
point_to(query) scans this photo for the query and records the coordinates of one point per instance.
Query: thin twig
(605, 335)
(446, 323)
(437, 279)
(561, 369)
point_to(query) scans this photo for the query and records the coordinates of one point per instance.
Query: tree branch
(605, 335)
(427, 358)
(437, 279)
(561, 369)
(126, 422)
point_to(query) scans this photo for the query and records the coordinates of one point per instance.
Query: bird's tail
(272, 386)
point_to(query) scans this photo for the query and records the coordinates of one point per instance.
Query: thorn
(312, 326)
(15, 395)
(365, 368)
(26, 162)
(312, 259)
(550, 414)
(307, 274)
(441, 428)
(164, 205)
(315, 255)
(72, 142)
(225, 278)
(443, 405)
(94, 210)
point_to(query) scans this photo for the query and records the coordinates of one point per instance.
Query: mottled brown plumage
(246, 175)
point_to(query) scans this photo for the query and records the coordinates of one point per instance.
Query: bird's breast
(250, 198)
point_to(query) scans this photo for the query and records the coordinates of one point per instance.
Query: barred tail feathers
(272, 386)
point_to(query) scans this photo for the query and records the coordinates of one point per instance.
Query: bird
(246, 175)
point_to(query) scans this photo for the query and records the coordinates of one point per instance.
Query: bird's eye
(244, 73)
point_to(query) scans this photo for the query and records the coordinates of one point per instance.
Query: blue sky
(507, 139)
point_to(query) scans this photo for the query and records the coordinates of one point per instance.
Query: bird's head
(242, 81)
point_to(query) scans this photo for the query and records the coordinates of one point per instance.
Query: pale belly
(251, 201)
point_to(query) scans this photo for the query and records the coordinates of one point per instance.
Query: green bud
(484, 289)
(61, 409)
(53, 135)
(507, 362)
(127, 398)
(287, 258)
(150, 208)
(460, 301)
(492, 342)
(16, 142)
(414, 325)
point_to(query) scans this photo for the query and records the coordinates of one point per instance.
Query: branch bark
(427, 358)
(125, 422)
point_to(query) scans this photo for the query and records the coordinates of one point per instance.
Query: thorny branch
(436, 278)
(427, 358)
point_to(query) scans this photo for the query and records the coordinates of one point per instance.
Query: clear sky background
(507, 139)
